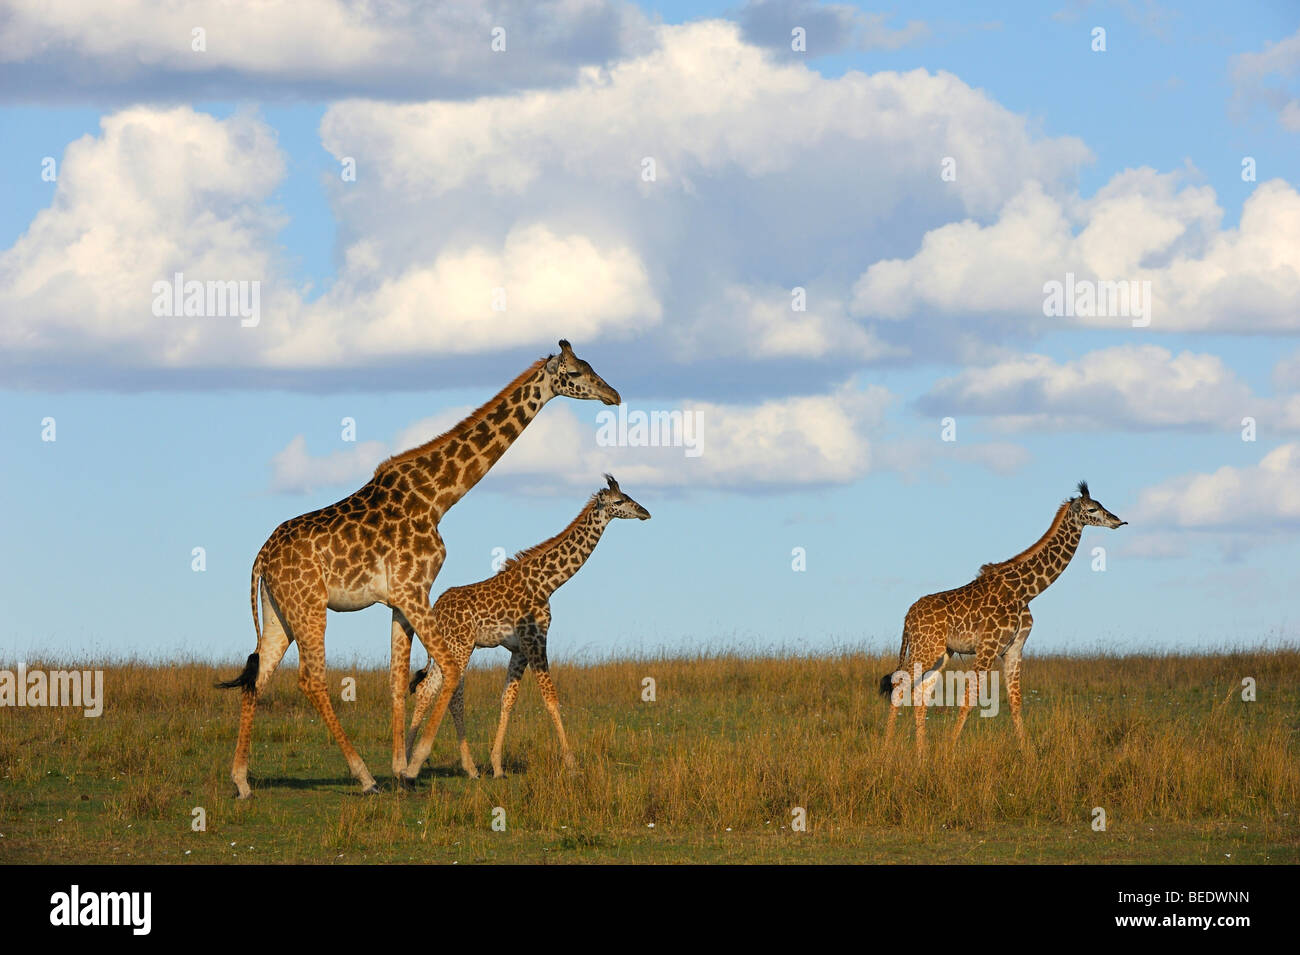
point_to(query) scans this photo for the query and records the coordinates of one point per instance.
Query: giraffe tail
(887, 681)
(248, 679)
(417, 678)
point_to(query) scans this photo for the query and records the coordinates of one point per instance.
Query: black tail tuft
(246, 680)
(887, 684)
(416, 678)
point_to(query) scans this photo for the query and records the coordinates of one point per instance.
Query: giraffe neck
(443, 470)
(1038, 567)
(552, 563)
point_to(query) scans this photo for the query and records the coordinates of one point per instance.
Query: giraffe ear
(552, 364)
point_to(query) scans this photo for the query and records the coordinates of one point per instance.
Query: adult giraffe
(988, 617)
(381, 545)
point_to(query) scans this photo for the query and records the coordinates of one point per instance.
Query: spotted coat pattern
(381, 545)
(512, 609)
(988, 617)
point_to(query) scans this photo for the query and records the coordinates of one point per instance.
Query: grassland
(1185, 770)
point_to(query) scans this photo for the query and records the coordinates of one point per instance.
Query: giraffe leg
(450, 664)
(919, 703)
(1013, 696)
(399, 673)
(552, 701)
(307, 625)
(515, 673)
(968, 700)
(1011, 671)
(536, 650)
(425, 694)
(447, 653)
(271, 647)
(458, 715)
(899, 690)
(983, 663)
(451, 671)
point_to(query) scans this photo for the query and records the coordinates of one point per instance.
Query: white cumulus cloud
(1125, 387)
(309, 49)
(1268, 78)
(832, 438)
(162, 192)
(1141, 227)
(807, 440)
(767, 177)
(1255, 498)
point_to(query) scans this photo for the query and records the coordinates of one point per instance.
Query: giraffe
(511, 609)
(988, 617)
(381, 545)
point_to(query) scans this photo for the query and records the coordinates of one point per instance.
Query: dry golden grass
(1184, 769)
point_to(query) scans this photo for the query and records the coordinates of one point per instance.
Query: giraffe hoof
(405, 783)
(371, 790)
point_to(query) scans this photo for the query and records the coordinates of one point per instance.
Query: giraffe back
(956, 618)
(361, 543)
(489, 613)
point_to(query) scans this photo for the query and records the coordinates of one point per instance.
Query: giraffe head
(572, 377)
(1089, 511)
(612, 503)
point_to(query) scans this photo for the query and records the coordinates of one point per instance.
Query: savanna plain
(731, 755)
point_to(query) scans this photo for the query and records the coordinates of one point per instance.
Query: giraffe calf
(510, 609)
(988, 617)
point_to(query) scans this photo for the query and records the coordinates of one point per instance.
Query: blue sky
(774, 169)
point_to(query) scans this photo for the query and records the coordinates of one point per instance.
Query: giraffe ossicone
(988, 617)
(380, 544)
(510, 609)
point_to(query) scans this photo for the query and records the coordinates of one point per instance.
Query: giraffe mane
(537, 550)
(1033, 548)
(475, 415)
